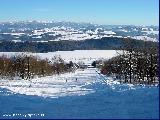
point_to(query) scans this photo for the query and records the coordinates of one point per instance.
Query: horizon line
(82, 22)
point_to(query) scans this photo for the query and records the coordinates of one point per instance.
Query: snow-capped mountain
(44, 31)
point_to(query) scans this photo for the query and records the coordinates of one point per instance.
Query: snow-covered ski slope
(54, 86)
(81, 94)
(90, 96)
(80, 82)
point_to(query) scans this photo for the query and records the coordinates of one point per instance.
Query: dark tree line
(109, 43)
(27, 67)
(134, 65)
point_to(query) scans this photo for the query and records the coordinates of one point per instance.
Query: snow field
(53, 86)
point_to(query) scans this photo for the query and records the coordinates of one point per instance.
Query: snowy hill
(43, 31)
(84, 93)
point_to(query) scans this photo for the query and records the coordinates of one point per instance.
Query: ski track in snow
(53, 86)
(56, 86)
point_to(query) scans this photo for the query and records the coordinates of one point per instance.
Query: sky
(110, 12)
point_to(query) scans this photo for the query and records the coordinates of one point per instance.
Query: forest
(134, 65)
(27, 66)
(108, 43)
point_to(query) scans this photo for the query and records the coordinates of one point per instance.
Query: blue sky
(135, 12)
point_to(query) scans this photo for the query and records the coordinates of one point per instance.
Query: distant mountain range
(38, 31)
